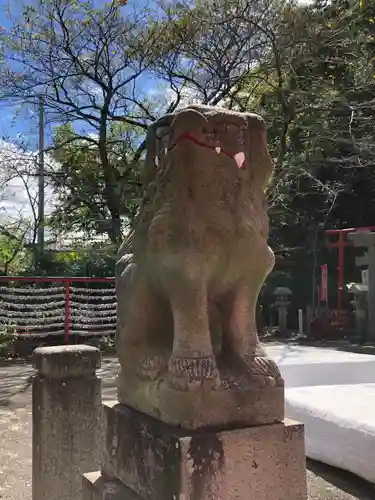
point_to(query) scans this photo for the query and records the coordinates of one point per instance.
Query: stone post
(66, 420)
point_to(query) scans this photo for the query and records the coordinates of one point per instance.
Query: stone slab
(235, 403)
(162, 462)
(95, 486)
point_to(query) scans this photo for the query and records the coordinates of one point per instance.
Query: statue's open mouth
(222, 137)
(239, 157)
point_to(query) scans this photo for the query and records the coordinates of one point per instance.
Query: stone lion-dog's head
(204, 165)
(212, 136)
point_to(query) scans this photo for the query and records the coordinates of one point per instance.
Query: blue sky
(16, 123)
(22, 124)
(9, 126)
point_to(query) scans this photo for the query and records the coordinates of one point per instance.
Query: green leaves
(83, 187)
(14, 257)
(308, 69)
(315, 87)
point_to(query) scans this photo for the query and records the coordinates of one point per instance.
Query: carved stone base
(161, 462)
(239, 401)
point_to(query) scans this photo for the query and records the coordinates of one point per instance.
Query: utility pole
(41, 174)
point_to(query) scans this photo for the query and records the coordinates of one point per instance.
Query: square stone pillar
(146, 459)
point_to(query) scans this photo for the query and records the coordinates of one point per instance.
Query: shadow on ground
(15, 379)
(345, 482)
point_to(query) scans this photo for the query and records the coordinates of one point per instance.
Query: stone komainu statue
(187, 299)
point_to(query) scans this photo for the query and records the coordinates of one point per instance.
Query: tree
(315, 88)
(213, 45)
(108, 72)
(85, 62)
(18, 214)
(94, 67)
(14, 257)
(79, 181)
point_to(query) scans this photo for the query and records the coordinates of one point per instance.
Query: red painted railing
(98, 304)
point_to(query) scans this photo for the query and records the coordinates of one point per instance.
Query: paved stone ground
(325, 483)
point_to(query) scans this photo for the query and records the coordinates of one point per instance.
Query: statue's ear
(259, 160)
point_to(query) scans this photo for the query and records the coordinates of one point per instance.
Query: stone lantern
(281, 303)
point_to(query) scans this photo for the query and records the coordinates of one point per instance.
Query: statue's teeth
(239, 159)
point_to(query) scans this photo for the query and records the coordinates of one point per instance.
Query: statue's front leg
(241, 334)
(140, 320)
(192, 364)
(242, 337)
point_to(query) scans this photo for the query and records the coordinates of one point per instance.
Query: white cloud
(19, 184)
(188, 96)
(164, 95)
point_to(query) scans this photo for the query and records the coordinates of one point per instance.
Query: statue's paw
(150, 367)
(263, 371)
(192, 373)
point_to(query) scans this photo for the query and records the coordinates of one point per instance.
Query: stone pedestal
(146, 459)
(236, 402)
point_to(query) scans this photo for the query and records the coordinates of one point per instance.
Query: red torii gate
(340, 244)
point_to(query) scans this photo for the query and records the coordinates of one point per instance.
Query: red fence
(44, 306)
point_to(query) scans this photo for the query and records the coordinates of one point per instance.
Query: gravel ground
(324, 483)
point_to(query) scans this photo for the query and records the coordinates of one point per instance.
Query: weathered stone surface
(67, 421)
(95, 486)
(66, 361)
(235, 402)
(161, 462)
(187, 301)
